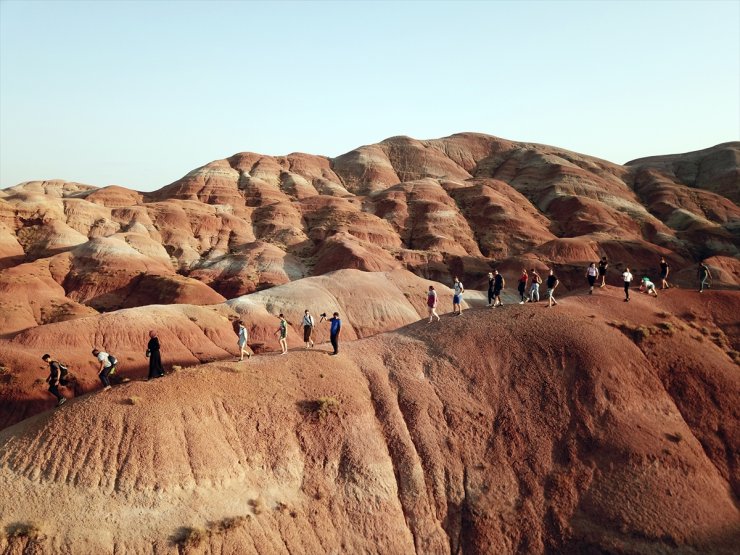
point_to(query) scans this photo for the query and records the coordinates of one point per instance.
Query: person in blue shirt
(336, 329)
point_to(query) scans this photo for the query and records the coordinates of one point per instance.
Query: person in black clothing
(552, 283)
(498, 285)
(55, 379)
(664, 270)
(603, 265)
(490, 289)
(156, 370)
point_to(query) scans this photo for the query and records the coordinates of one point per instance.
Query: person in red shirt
(523, 279)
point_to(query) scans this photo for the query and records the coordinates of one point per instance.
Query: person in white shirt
(107, 367)
(648, 287)
(627, 276)
(308, 324)
(591, 274)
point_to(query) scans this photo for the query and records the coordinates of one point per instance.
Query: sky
(139, 93)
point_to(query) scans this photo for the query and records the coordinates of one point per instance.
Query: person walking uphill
(523, 279)
(591, 274)
(457, 297)
(336, 329)
(308, 324)
(627, 276)
(108, 365)
(432, 304)
(57, 377)
(283, 332)
(156, 370)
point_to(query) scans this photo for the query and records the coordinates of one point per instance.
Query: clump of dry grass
(176, 368)
(133, 400)
(228, 523)
(326, 406)
(191, 537)
(29, 530)
(258, 505)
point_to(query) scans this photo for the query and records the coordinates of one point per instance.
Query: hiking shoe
(106, 388)
(62, 401)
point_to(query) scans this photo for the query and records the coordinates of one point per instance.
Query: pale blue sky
(139, 93)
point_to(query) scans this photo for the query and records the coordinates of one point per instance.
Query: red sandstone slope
(460, 204)
(564, 434)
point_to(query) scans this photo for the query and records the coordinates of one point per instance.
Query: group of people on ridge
(528, 288)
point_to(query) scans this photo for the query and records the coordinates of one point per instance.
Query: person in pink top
(432, 304)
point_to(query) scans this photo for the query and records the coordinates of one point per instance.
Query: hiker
(490, 289)
(534, 290)
(627, 276)
(432, 304)
(57, 377)
(242, 336)
(522, 288)
(308, 324)
(457, 297)
(552, 283)
(648, 286)
(498, 284)
(108, 365)
(705, 276)
(664, 271)
(603, 265)
(591, 274)
(336, 329)
(156, 370)
(283, 332)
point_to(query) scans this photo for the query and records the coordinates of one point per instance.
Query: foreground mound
(559, 435)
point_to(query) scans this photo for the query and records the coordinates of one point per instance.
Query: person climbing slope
(57, 377)
(591, 274)
(108, 365)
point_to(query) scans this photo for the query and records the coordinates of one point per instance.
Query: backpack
(63, 371)
(113, 361)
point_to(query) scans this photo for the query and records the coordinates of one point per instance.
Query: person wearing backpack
(108, 365)
(57, 376)
(308, 325)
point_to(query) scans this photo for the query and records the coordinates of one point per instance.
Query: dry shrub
(29, 530)
(190, 537)
(225, 524)
(258, 505)
(176, 368)
(326, 406)
(133, 400)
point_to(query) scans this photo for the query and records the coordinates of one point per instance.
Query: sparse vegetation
(29, 530)
(133, 400)
(258, 505)
(326, 406)
(225, 524)
(190, 537)
(176, 368)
